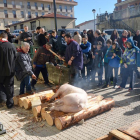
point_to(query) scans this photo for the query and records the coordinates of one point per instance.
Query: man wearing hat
(42, 56)
(61, 43)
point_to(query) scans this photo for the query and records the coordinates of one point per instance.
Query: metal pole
(55, 19)
(94, 22)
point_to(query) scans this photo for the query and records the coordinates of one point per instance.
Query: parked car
(16, 32)
(71, 31)
(109, 32)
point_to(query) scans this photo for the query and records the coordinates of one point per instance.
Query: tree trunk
(44, 97)
(91, 111)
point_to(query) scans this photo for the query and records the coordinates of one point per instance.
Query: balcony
(127, 13)
(29, 6)
(1, 5)
(18, 7)
(33, 16)
(10, 15)
(40, 8)
(64, 10)
(33, 8)
(58, 10)
(2, 15)
(69, 11)
(46, 9)
(10, 6)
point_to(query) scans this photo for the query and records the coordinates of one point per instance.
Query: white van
(109, 32)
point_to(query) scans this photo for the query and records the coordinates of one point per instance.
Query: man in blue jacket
(74, 57)
(86, 49)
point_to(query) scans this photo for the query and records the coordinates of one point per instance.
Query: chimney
(119, 1)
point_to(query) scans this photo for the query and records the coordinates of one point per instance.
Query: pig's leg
(67, 109)
(56, 104)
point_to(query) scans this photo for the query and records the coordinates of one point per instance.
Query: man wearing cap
(42, 56)
(61, 44)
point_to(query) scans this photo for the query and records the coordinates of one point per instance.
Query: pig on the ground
(72, 99)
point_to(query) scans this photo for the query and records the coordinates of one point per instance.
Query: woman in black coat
(114, 35)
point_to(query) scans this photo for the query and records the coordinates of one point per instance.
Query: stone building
(126, 15)
(13, 11)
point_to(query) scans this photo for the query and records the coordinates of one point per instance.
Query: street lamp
(55, 19)
(94, 11)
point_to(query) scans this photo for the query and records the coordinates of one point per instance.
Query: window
(13, 3)
(42, 13)
(71, 15)
(28, 5)
(36, 5)
(15, 27)
(49, 7)
(66, 8)
(6, 14)
(14, 13)
(21, 4)
(36, 13)
(21, 26)
(5, 3)
(29, 14)
(60, 7)
(33, 25)
(71, 8)
(22, 14)
(42, 5)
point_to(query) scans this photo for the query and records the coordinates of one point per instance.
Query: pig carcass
(72, 99)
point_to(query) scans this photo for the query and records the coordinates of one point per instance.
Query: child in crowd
(129, 62)
(106, 61)
(24, 68)
(98, 63)
(114, 57)
(86, 49)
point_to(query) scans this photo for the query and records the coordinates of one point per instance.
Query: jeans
(25, 83)
(44, 72)
(100, 74)
(106, 72)
(129, 71)
(83, 71)
(7, 88)
(110, 69)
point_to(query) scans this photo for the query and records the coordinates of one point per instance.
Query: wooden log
(43, 96)
(92, 110)
(16, 98)
(51, 115)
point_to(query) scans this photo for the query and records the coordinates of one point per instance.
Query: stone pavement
(20, 126)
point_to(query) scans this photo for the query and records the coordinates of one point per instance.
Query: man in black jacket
(26, 36)
(53, 41)
(61, 44)
(7, 69)
(41, 38)
(137, 38)
(10, 36)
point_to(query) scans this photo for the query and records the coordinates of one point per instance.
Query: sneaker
(105, 86)
(9, 106)
(116, 87)
(130, 89)
(33, 88)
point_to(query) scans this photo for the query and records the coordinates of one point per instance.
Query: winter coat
(115, 62)
(91, 38)
(23, 66)
(121, 42)
(61, 43)
(137, 38)
(26, 35)
(113, 37)
(78, 39)
(74, 49)
(7, 58)
(42, 56)
(42, 40)
(53, 41)
(86, 49)
(10, 37)
(106, 52)
(35, 39)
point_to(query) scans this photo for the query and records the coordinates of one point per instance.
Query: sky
(83, 11)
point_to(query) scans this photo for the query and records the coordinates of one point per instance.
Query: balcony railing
(127, 13)
(33, 7)
(10, 6)
(2, 15)
(39, 8)
(58, 10)
(46, 9)
(18, 6)
(64, 10)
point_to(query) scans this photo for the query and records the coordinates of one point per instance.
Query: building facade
(13, 11)
(126, 15)
(87, 25)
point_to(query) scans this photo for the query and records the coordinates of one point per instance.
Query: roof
(51, 15)
(77, 26)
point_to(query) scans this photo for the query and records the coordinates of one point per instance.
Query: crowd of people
(87, 54)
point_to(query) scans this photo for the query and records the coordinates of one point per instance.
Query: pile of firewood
(39, 104)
